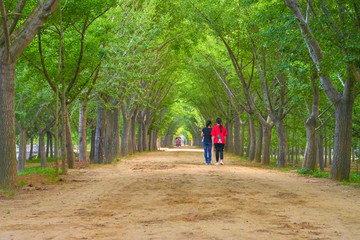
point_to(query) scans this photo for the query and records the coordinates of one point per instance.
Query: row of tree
(265, 62)
(117, 75)
(89, 70)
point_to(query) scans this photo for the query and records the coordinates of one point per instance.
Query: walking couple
(214, 138)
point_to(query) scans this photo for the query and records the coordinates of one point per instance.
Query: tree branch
(6, 31)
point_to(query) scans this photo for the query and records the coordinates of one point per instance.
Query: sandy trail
(172, 195)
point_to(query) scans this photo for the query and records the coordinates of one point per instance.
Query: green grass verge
(38, 160)
(49, 173)
(354, 178)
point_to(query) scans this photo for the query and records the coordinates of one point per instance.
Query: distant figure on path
(205, 134)
(218, 135)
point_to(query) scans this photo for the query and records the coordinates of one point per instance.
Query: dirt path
(172, 195)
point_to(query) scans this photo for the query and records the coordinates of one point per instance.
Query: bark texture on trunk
(266, 145)
(51, 144)
(109, 155)
(69, 143)
(155, 141)
(99, 153)
(133, 133)
(242, 139)
(42, 152)
(31, 147)
(82, 133)
(22, 150)
(326, 148)
(259, 140)
(282, 139)
(309, 161)
(47, 144)
(145, 137)
(237, 136)
(249, 141)
(252, 140)
(92, 146)
(151, 135)
(116, 133)
(320, 151)
(140, 142)
(230, 137)
(125, 137)
(310, 157)
(8, 174)
(340, 169)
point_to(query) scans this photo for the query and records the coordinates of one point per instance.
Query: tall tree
(16, 34)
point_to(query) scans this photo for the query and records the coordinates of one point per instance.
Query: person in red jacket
(218, 136)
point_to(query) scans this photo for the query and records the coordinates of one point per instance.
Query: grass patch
(38, 160)
(314, 173)
(354, 178)
(7, 194)
(49, 173)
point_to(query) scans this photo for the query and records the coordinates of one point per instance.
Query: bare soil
(173, 195)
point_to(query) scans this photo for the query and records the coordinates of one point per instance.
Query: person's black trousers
(219, 148)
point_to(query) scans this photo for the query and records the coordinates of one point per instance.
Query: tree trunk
(109, 156)
(116, 133)
(320, 151)
(22, 150)
(69, 143)
(51, 145)
(92, 146)
(125, 137)
(282, 139)
(155, 141)
(242, 139)
(31, 147)
(252, 140)
(99, 153)
(82, 133)
(340, 168)
(249, 141)
(266, 145)
(237, 136)
(145, 137)
(140, 142)
(42, 153)
(259, 140)
(133, 133)
(229, 137)
(47, 144)
(326, 147)
(151, 135)
(330, 154)
(309, 161)
(293, 145)
(8, 174)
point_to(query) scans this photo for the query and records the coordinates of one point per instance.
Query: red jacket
(219, 136)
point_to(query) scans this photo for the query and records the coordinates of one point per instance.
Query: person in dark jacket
(205, 134)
